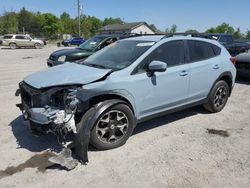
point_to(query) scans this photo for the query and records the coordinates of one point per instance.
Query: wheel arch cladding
(228, 78)
(100, 98)
(81, 139)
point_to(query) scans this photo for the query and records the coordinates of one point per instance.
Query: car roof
(156, 38)
(153, 38)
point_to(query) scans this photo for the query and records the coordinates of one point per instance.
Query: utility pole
(79, 17)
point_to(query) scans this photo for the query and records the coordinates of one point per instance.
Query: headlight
(62, 58)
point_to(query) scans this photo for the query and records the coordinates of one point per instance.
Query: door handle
(183, 73)
(216, 67)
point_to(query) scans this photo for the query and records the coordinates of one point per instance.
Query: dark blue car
(73, 41)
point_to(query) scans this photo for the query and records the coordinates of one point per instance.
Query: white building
(127, 28)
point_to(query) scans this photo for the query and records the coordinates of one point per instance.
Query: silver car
(16, 41)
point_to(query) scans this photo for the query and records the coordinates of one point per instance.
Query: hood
(68, 51)
(66, 74)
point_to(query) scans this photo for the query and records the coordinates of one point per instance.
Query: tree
(24, 20)
(153, 27)
(50, 24)
(237, 34)
(223, 28)
(67, 25)
(65, 16)
(9, 23)
(248, 34)
(29, 22)
(193, 31)
(110, 20)
(172, 30)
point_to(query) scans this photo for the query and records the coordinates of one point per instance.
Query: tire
(113, 127)
(37, 45)
(13, 46)
(218, 97)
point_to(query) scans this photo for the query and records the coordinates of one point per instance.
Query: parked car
(82, 52)
(73, 41)
(233, 47)
(16, 41)
(101, 100)
(242, 64)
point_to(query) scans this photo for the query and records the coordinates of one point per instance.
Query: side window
(108, 42)
(171, 53)
(199, 50)
(20, 37)
(7, 37)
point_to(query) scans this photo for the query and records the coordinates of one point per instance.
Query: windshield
(118, 55)
(91, 44)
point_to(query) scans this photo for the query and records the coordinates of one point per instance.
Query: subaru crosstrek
(101, 100)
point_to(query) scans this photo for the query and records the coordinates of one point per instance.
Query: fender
(81, 139)
(227, 73)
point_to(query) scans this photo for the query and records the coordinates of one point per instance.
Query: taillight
(233, 60)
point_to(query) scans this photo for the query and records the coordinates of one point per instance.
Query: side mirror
(157, 66)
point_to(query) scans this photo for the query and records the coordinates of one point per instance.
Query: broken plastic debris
(65, 159)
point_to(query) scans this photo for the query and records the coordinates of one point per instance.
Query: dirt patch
(222, 133)
(28, 57)
(39, 161)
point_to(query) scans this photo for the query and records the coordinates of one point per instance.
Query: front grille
(30, 96)
(53, 58)
(243, 65)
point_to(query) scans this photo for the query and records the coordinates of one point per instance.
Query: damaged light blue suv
(100, 100)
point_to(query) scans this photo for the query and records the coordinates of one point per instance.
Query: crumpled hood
(66, 74)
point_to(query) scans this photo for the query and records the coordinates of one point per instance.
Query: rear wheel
(13, 45)
(113, 127)
(218, 97)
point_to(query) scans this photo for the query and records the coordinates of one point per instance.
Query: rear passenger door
(22, 40)
(205, 68)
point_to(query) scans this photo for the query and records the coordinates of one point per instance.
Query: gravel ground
(173, 151)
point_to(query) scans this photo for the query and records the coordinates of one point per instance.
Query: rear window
(199, 50)
(217, 49)
(7, 37)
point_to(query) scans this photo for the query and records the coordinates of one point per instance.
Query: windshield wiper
(95, 65)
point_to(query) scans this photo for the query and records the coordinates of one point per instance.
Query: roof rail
(200, 35)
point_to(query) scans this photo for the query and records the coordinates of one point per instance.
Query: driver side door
(162, 90)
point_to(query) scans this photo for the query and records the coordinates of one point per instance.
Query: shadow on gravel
(39, 161)
(157, 122)
(25, 138)
(222, 133)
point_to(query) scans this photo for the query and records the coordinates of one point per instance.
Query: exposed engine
(50, 111)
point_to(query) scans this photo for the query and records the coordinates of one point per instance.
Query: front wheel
(113, 127)
(218, 97)
(38, 46)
